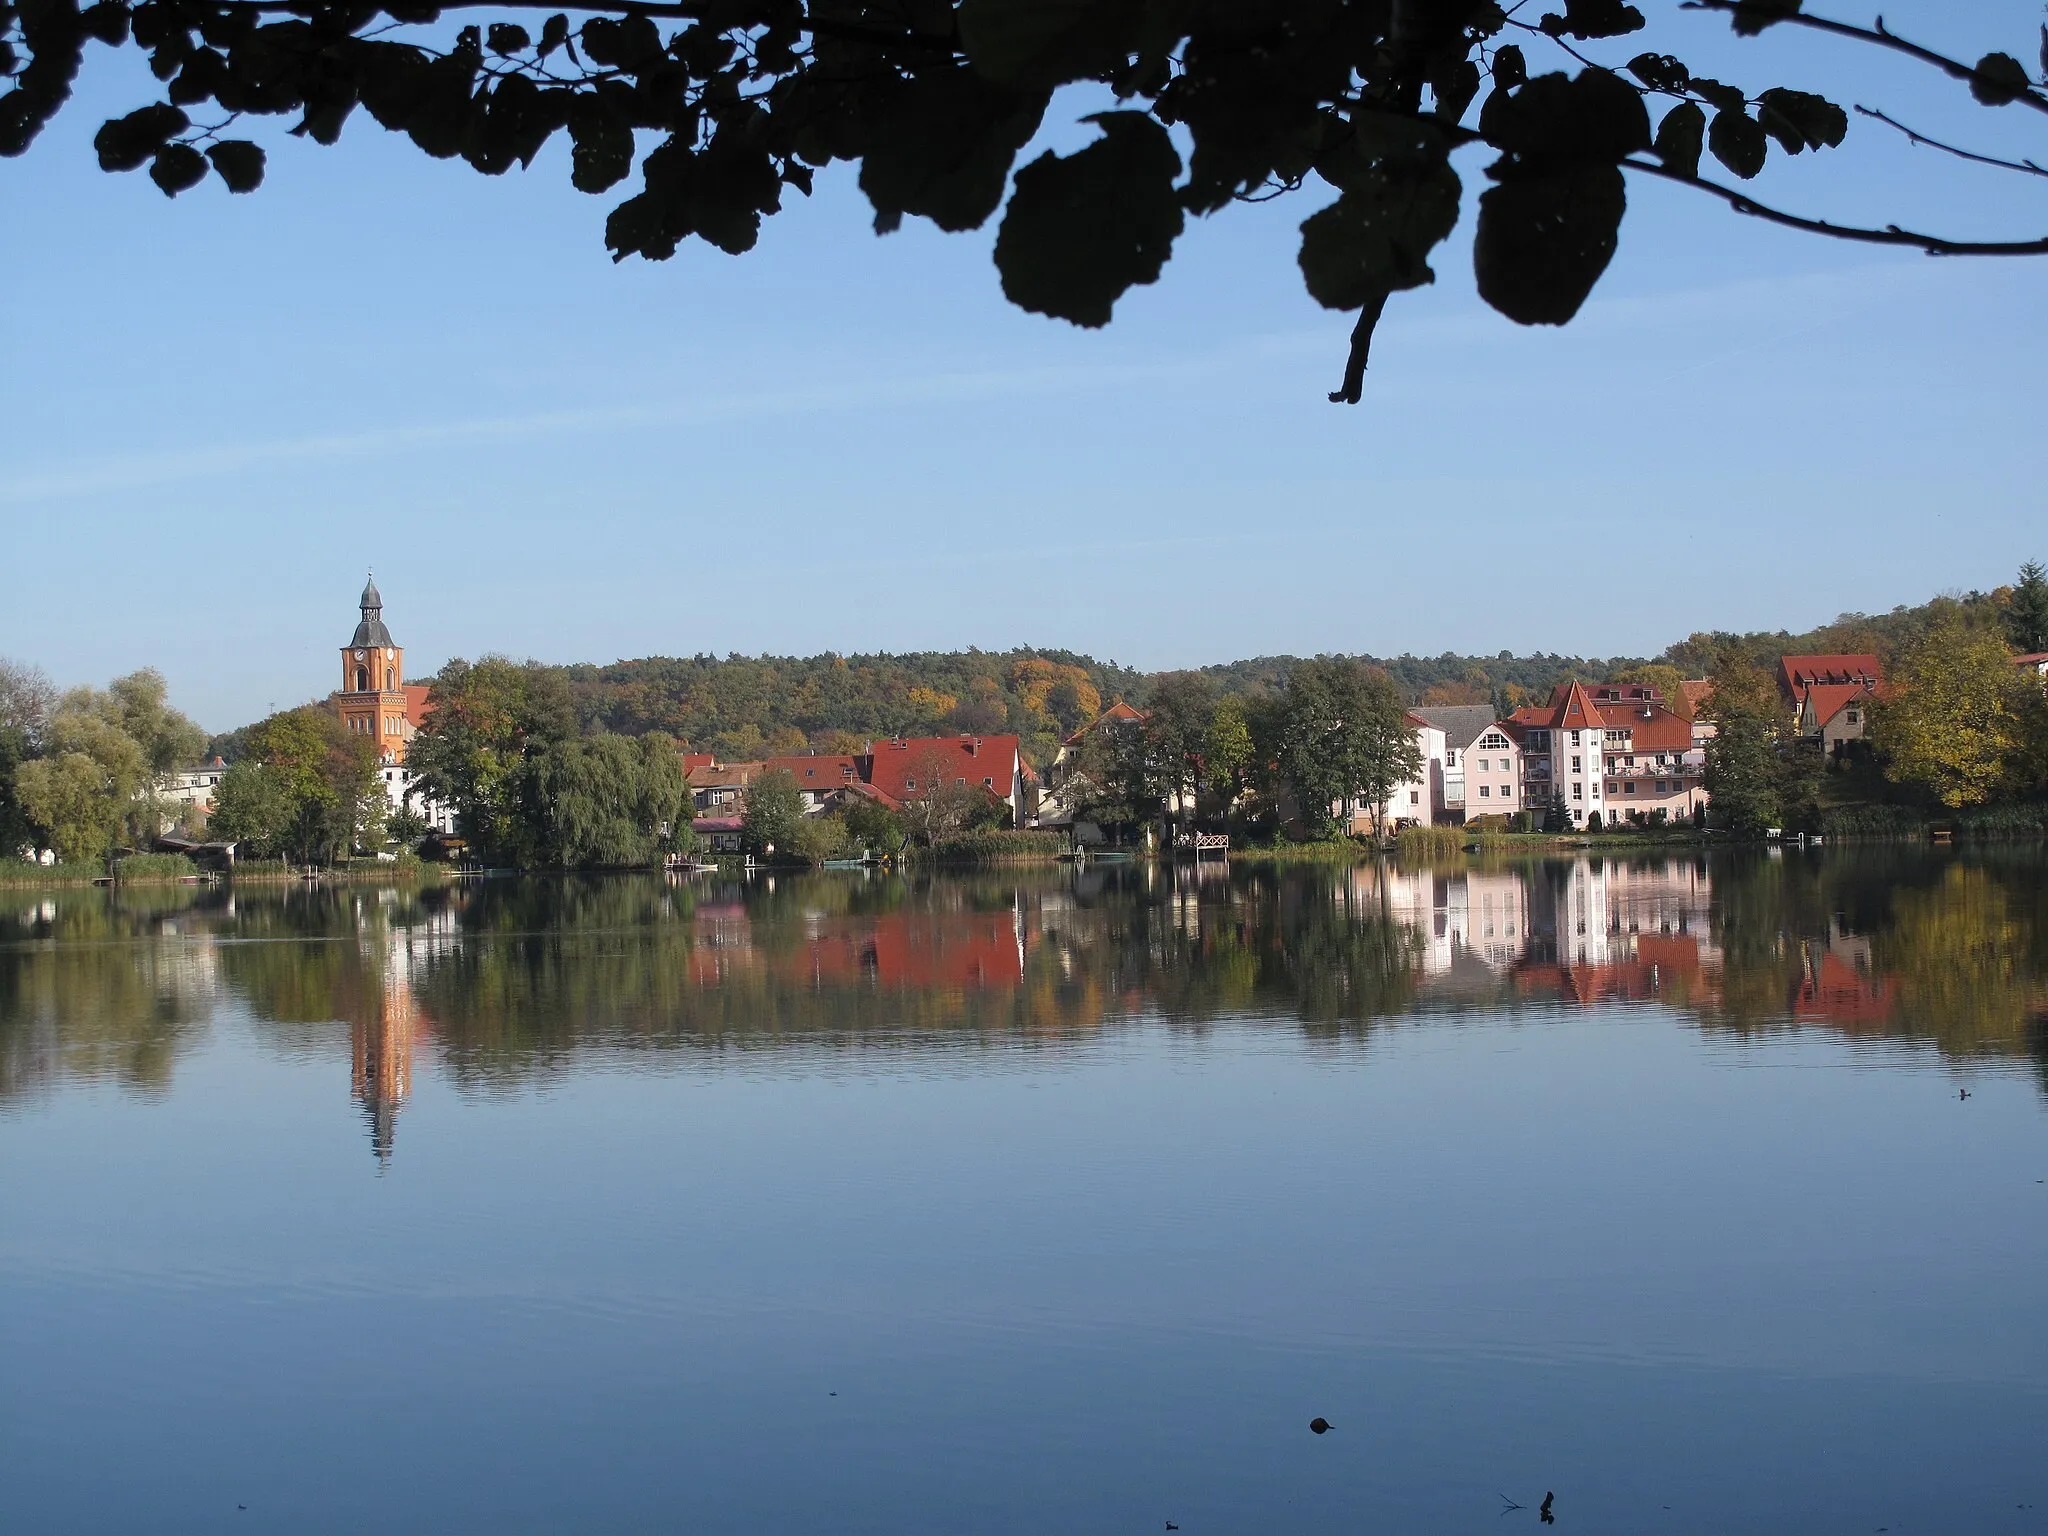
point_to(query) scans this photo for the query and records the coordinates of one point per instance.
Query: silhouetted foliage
(724, 105)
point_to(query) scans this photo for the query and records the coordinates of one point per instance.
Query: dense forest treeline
(743, 707)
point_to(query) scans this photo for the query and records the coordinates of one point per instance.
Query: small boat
(844, 864)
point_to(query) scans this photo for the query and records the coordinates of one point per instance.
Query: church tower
(372, 697)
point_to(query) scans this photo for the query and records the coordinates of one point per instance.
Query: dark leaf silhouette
(238, 163)
(1083, 228)
(1738, 142)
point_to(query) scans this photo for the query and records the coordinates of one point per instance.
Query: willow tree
(723, 105)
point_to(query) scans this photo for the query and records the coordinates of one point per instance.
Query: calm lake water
(1035, 1202)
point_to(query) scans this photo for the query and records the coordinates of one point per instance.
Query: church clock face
(361, 655)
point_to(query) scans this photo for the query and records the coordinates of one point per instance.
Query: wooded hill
(749, 706)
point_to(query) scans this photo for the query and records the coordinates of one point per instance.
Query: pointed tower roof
(1576, 712)
(371, 630)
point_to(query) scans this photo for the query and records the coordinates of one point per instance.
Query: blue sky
(215, 413)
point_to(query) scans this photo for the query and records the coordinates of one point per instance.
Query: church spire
(371, 630)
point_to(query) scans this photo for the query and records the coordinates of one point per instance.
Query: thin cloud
(139, 471)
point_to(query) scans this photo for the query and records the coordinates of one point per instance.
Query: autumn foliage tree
(1957, 719)
(724, 106)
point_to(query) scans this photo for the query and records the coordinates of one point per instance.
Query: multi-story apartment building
(1614, 751)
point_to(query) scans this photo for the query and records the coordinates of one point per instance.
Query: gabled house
(819, 779)
(1834, 714)
(909, 767)
(720, 789)
(1471, 779)
(1830, 695)
(1056, 799)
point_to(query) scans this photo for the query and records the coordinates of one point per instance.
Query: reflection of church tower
(381, 1054)
(372, 698)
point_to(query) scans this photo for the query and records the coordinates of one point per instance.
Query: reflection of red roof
(988, 762)
(1835, 992)
(1627, 981)
(1673, 954)
(903, 949)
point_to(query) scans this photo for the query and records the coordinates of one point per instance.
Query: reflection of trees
(1969, 955)
(509, 979)
(98, 985)
(1887, 942)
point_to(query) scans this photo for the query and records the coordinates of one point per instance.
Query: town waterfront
(1708, 1193)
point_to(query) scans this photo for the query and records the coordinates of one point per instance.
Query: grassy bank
(137, 869)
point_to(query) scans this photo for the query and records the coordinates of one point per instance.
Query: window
(1662, 788)
(910, 784)
(1485, 792)
(1629, 788)
(1853, 717)
(1575, 765)
(362, 679)
(988, 783)
(1611, 787)
(1451, 757)
(1576, 795)
(1493, 741)
(1415, 797)
(390, 678)
(1540, 740)
(1575, 738)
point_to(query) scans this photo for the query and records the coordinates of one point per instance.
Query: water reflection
(508, 981)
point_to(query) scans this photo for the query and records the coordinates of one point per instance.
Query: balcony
(1651, 771)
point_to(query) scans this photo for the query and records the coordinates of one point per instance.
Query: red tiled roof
(1651, 727)
(817, 772)
(1117, 711)
(724, 775)
(1830, 699)
(1697, 691)
(881, 797)
(417, 704)
(988, 762)
(692, 761)
(1798, 673)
